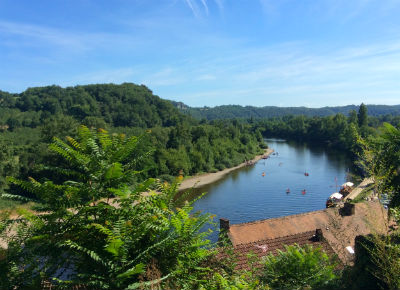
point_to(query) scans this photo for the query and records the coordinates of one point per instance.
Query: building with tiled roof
(263, 248)
(337, 231)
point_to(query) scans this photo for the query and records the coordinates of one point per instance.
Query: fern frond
(137, 269)
(92, 254)
(104, 138)
(73, 142)
(17, 197)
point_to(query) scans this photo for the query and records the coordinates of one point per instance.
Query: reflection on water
(246, 195)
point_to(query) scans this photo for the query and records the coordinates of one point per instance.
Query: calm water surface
(246, 195)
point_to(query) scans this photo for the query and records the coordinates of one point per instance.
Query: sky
(209, 52)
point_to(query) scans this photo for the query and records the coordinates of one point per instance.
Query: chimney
(223, 224)
(318, 235)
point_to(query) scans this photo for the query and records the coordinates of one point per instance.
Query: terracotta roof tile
(277, 227)
(262, 248)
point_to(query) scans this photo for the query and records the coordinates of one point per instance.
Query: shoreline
(208, 178)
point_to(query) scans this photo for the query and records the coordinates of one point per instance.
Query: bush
(167, 178)
(298, 268)
(99, 227)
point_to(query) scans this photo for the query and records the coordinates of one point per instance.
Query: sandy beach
(207, 178)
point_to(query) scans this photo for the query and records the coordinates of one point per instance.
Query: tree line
(103, 226)
(98, 230)
(245, 112)
(174, 143)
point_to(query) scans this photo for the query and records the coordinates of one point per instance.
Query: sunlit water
(246, 195)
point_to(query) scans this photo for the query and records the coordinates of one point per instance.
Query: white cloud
(291, 73)
(193, 6)
(205, 6)
(200, 7)
(36, 33)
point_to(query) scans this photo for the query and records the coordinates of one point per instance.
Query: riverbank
(207, 178)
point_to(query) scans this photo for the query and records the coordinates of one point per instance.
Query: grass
(364, 193)
(12, 205)
(9, 204)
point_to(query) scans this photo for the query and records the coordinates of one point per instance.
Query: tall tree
(353, 117)
(362, 116)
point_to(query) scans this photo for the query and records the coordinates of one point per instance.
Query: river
(247, 194)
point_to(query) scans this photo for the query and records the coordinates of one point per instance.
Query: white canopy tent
(349, 184)
(336, 195)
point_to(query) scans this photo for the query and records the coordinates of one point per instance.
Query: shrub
(99, 226)
(298, 268)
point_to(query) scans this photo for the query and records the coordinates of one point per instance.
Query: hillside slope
(236, 111)
(117, 105)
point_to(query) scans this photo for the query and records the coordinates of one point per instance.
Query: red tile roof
(262, 248)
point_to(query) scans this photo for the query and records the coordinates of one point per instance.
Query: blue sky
(209, 52)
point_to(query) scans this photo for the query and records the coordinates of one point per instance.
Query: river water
(246, 195)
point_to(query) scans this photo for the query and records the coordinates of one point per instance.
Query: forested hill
(175, 143)
(117, 105)
(235, 111)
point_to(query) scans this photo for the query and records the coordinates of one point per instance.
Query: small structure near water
(334, 199)
(333, 229)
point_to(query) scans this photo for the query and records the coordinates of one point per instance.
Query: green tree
(298, 268)
(362, 116)
(384, 162)
(100, 226)
(8, 163)
(380, 255)
(353, 117)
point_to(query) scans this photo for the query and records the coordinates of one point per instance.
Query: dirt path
(356, 191)
(207, 178)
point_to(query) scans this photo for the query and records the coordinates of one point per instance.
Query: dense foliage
(338, 131)
(96, 229)
(103, 222)
(99, 229)
(117, 105)
(378, 259)
(178, 143)
(384, 152)
(236, 111)
(299, 268)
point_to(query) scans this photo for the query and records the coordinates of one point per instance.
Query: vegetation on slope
(247, 112)
(99, 230)
(98, 224)
(177, 143)
(125, 105)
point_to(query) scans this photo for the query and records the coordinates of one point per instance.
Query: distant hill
(118, 105)
(236, 111)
